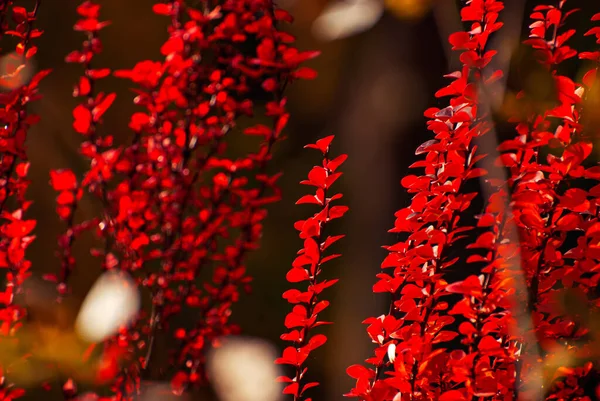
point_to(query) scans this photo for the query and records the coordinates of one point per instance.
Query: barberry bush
(492, 298)
(492, 283)
(180, 210)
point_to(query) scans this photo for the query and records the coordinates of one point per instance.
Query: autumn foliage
(492, 282)
(306, 268)
(174, 204)
(505, 332)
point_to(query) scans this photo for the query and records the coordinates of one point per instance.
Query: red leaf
(471, 286)
(295, 296)
(575, 199)
(88, 9)
(359, 371)
(337, 211)
(292, 389)
(488, 343)
(63, 180)
(462, 41)
(320, 307)
(309, 386)
(316, 341)
(297, 275)
(291, 356)
(308, 199)
(266, 50)
(139, 121)
(83, 119)
(19, 14)
(319, 287)
(305, 73)
(162, 9)
(330, 257)
(292, 336)
(322, 144)
(83, 88)
(101, 108)
(317, 177)
(98, 74)
(476, 172)
(335, 163)
(331, 240)
(19, 228)
(259, 129)
(569, 222)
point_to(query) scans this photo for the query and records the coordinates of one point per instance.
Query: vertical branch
(87, 118)
(16, 232)
(307, 267)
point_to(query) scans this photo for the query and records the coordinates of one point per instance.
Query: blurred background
(381, 63)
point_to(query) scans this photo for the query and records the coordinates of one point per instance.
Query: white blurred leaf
(242, 369)
(112, 303)
(347, 18)
(15, 70)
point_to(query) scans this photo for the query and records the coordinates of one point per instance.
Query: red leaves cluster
(411, 361)
(555, 205)
(191, 208)
(487, 322)
(175, 205)
(493, 335)
(87, 115)
(16, 231)
(306, 268)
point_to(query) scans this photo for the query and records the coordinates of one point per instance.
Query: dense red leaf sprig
(554, 210)
(97, 149)
(182, 208)
(16, 231)
(551, 190)
(230, 194)
(175, 203)
(410, 360)
(306, 268)
(489, 295)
